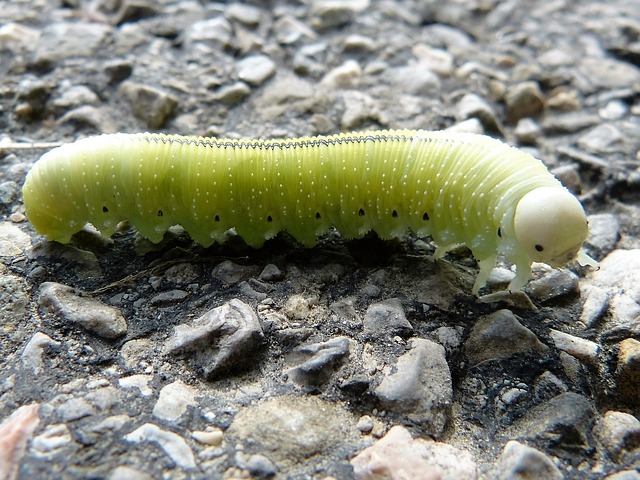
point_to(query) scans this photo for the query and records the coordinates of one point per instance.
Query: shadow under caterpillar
(457, 188)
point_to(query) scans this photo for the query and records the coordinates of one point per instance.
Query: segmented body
(457, 188)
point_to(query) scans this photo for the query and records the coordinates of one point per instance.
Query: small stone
(75, 95)
(582, 349)
(213, 437)
(347, 75)
(173, 444)
(384, 320)
(74, 409)
(500, 335)
(243, 13)
(595, 304)
(148, 103)
(271, 273)
(220, 339)
(359, 42)
(609, 73)
(523, 100)
(628, 371)
(602, 139)
(624, 475)
(289, 30)
(474, 106)
(293, 429)
(260, 466)
(168, 298)
(139, 381)
(88, 313)
(135, 10)
(127, 473)
(553, 285)
(604, 232)
(614, 110)
(13, 241)
(570, 122)
(34, 350)
(416, 79)
(54, 439)
(229, 272)
(397, 456)
(564, 422)
(214, 32)
(420, 386)
(359, 108)
(563, 100)
(91, 116)
(619, 432)
(174, 400)
(233, 93)
(73, 39)
(365, 424)
(547, 386)
(255, 69)
(527, 131)
(15, 38)
(519, 462)
(326, 14)
(318, 361)
(15, 433)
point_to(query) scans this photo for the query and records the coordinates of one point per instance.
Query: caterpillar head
(551, 225)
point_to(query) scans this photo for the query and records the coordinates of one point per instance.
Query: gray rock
(18, 38)
(555, 284)
(523, 100)
(173, 444)
(229, 272)
(570, 122)
(292, 429)
(520, 462)
(472, 105)
(135, 10)
(55, 439)
(73, 39)
(255, 69)
(148, 103)
(174, 400)
(500, 335)
(604, 138)
(359, 108)
(74, 96)
(75, 409)
(317, 362)
(214, 32)
(34, 350)
(619, 433)
(609, 73)
(88, 313)
(420, 386)
(168, 298)
(8, 192)
(13, 302)
(386, 319)
(345, 76)
(88, 115)
(564, 422)
(416, 79)
(271, 273)
(604, 232)
(624, 475)
(628, 371)
(223, 338)
(233, 93)
(326, 14)
(289, 30)
(547, 386)
(243, 13)
(259, 465)
(527, 131)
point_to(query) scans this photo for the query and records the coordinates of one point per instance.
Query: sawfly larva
(457, 188)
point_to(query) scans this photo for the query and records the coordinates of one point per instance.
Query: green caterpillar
(457, 188)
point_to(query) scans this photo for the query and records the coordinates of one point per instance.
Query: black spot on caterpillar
(458, 188)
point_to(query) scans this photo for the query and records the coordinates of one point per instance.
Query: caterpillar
(457, 188)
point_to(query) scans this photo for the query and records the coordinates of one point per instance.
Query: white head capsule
(551, 225)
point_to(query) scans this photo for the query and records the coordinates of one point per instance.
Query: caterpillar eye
(500, 232)
(269, 219)
(361, 212)
(105, 209)
(539, 248)
(216, 218)
(425, 216)
(318, 216)
(160, 214)
(394, 214)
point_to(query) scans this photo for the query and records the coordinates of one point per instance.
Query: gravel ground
(365, 359)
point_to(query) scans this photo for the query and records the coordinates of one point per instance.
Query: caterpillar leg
(486, 265)
(523, 274)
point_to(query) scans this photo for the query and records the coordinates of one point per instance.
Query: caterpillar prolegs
(457, 188)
